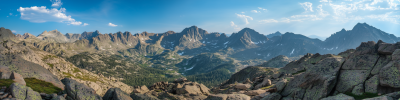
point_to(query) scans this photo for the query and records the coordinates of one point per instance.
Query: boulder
(280, 85)
(266, 82)
(389, 75)
(360, 62)
(242, 86)
(138, 96)
(358, 90)
(371, 85)
(17, 78)
(255, 92)
(78, 91)
(18, 90)
(396, 55)
(23, 92)
(350, 78)
(394, 95)
(141, 89)
(386, 48)
(228, 97)
(366, 48)
(273, 96)
(382, 61)
(189, 89)
(317, 82)
(340, 96)
(116, 94)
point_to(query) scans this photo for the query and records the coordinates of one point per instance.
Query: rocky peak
(246, 38)
(277, 33)
(89, 35)
(6, 34)
(53, 36)
(25, 36)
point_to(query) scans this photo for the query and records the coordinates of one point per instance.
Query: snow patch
(292, 52)
(226, 42)
(181, 53)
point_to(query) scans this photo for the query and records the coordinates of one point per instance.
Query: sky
(308, 17)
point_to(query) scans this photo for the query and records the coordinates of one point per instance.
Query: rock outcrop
(116, 94)
(368, 70)
(19, 92)
(79, 91)
(179, 89)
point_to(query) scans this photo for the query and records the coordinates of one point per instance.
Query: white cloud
(242, 12)
(112, 25)
(269, 21)
(13, 31)
(386, 17)
(7, 16)
(262, 9)
(245, 18)
(321, 11)
(323, 1)
(235, 26)
(255, 11)
(56, 3)
(85, 24)
(307, 6)
(41, 14)
(10, 14)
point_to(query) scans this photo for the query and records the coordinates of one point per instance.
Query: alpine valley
(361, 63)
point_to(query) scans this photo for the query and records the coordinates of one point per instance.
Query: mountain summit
(361, 32)
(53, 36)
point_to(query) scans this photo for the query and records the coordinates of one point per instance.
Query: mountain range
(98, 60)
(245, 44)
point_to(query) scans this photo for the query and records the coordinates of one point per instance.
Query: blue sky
(307, 17)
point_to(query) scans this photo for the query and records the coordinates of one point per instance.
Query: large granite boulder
(317, 82)
(116, 94)
(79, 91)
(23, 92)
(17, 78)
(350, 78)
(192, 88)
(389, 75)
(140, 89)
(371, 85)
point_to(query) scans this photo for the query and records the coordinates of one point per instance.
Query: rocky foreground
(370, 72)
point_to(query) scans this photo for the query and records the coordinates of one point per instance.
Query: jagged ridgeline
(193, 51)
